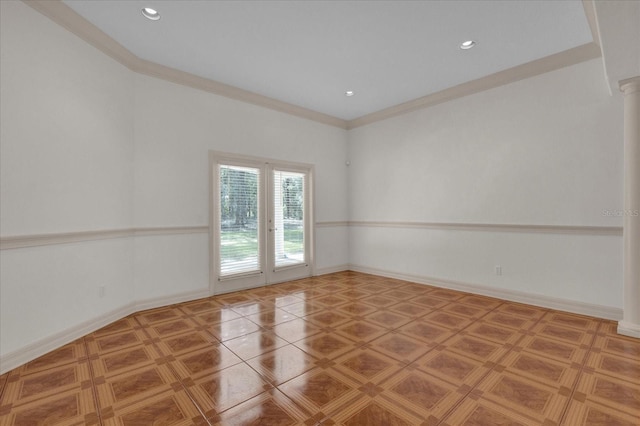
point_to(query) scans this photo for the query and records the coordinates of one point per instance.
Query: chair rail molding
(36, 240)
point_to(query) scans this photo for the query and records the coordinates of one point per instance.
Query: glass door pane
(239, 224)
(288, 219)
(261, 216)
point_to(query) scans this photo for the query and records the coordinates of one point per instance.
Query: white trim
(43, 346)
(268, 273)
(332, 224)
(629, 85)
(497, 227)
(36, 240)
(157, 302)
(69, 19)
(40, 347)
(171, 230)
(590, 12)
(331, 269)
(540, 66)
(66, 17)
(627, 329)
(183, 78)
(36, 349)
(598, 311)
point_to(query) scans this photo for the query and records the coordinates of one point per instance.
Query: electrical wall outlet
(498, 270)
(101, 291)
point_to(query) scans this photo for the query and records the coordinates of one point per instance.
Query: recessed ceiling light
(150, 13)
(467, 44)
(349, 93)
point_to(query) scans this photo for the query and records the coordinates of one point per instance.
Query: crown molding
(183, 78)
(69, 19)
(75, 23)
(590, 12)
(530, 69)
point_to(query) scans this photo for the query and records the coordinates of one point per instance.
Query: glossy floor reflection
(344, 348)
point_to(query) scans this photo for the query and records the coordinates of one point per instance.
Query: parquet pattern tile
(339, 349)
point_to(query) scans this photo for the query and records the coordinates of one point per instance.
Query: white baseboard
(36, 349)
(157, 302)
(598, 311)
(330, 270)
(628, 329)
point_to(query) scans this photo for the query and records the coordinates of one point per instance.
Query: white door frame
(269, 274)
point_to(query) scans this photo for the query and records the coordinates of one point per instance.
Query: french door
(260, 222)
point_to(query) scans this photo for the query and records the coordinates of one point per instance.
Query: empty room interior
(320, 212)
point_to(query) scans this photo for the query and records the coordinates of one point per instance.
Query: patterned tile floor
(345, 348)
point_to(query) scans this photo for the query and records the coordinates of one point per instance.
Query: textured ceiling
(308, 53)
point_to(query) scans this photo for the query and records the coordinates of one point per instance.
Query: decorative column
(630, 324)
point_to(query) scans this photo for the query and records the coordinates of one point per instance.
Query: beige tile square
(618, 367)
(104, 343)
(521, 395)
(448, 320)
(69, 407)
(282, 364)
(541, 369)
(72, 353)
(295, 330)
(119, 391)
(325, 345)
(204, 361)
(367, 366)
(553, 349)
(476, 348)
(428, 333)
(361, 331)
(377, 410)
(387, 319)
(452, 367)
(170, 408)
(400, 347)
(611, 394)
(268, 408)
(254, 344)
(480, 412)
(186, 342)
(226, 388)
(46, 384)
(235, 328)
(321, 390)
(427, 396)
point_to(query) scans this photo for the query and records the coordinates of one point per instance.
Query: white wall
(88, 145)
(67, 130)
(542, 151)
(176, 126)
(66, 157)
